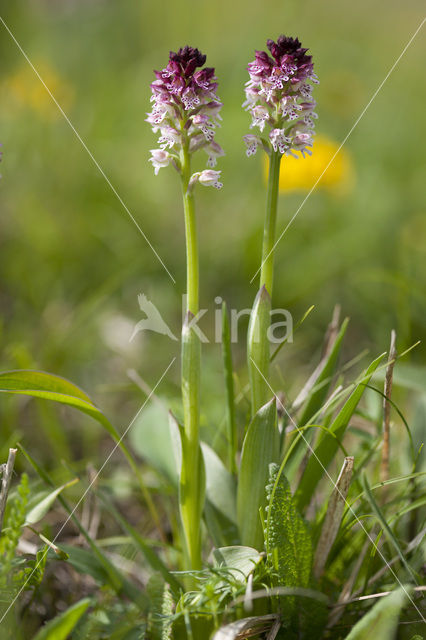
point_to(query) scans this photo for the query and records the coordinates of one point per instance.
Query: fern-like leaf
(161, 609)
(288, 543)
(12, 531)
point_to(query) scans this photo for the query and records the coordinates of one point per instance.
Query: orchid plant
(186, 113)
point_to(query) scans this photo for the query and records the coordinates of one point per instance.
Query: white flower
(280, 142)
(214, 151)
(208, 178)
(169, 136)
(252, 142)
(259, 116)
(160, 158)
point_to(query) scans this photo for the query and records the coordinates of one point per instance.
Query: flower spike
(279, 97)
(185, 109)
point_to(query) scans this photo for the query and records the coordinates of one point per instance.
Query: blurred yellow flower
(300, 174)
(26, 90)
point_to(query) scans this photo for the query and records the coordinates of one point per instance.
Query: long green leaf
(229, 384)
(40, 384)
(381, 623)
(327, 447)
(151, 557)
(260, 448)
(60, 627)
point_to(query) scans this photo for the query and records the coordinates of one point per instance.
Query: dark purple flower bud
(185, 108)
(279, 96)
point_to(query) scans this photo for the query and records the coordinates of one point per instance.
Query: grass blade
(386, 528)
(116, 579)
(151, 557)
(60, 627)
(40, 384)
(327, 447)
(229, 383)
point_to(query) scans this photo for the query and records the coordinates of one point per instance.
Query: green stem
(192, 277)
(191, 491)
(267, 269)
(258, 351)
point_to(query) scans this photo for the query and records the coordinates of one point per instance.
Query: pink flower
(185, 107)
(278, 95)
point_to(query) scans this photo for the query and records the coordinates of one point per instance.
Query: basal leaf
(60, 627)
(287, 540)
(40, 384)
(161, 609)
(260, 448)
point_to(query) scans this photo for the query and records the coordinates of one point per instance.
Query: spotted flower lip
(185, 109)
(279, 98)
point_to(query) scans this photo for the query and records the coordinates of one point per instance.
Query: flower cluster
(279, 96)
(185, 112)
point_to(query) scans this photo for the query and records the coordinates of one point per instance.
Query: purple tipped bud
(207, 178)
(210, 178)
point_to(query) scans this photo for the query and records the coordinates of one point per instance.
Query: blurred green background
(71, 260)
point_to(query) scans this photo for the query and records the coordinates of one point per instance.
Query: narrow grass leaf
(113, 576)
(150, 556)
(40, 384)
(327, 447)
(386, 528)
(229, 386)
